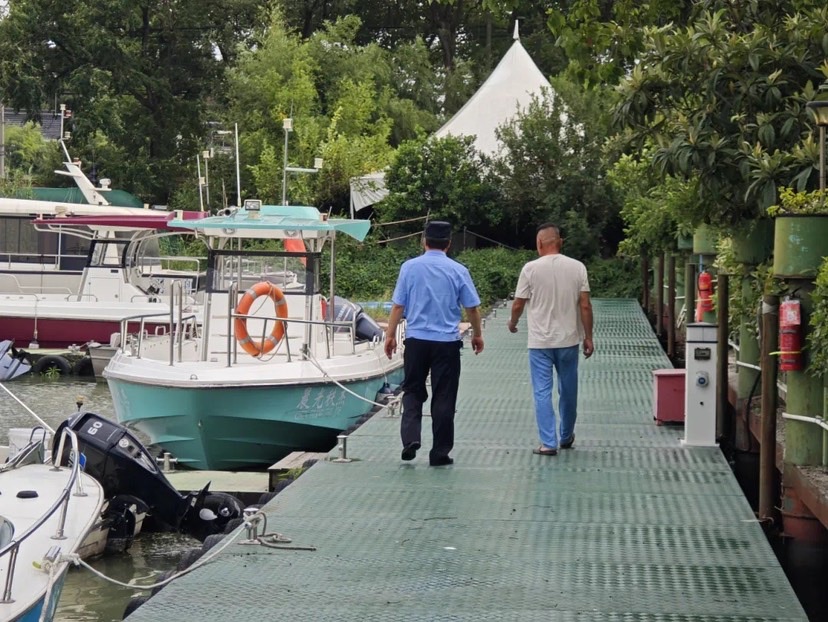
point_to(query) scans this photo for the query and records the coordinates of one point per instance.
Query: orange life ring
(257, 348)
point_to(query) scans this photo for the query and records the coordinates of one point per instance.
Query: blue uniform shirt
(433, 288)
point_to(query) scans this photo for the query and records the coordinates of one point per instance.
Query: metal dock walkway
(627, 527)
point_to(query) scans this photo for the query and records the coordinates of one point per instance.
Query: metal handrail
(62, 504)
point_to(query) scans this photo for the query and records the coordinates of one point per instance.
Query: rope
(75, 559)
(342, 386)
(29, 410)
(402, 237)
(44, 612)
(398, 222)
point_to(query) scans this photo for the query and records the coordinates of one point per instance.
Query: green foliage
(818, 334)
(747, 288)
(368, 271)
(792, 202)
(551, 171)
(722, 99)
(615, 277)
(444, 178)
(654, 211)
(602, 38)
(495, 271)
(50, 373)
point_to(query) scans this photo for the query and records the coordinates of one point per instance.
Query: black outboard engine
(344, 311)
(127, 472)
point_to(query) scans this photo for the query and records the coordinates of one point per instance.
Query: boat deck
(628, 526)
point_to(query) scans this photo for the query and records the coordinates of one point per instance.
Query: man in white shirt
(555, 291)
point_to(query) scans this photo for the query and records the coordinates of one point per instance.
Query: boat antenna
(238, 174)
(29, 410)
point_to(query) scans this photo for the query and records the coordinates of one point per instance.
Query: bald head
(548, 239)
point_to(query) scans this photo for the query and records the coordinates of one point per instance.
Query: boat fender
(267, 497)
(27, 494)
(233, 525)
(83, 367)
(188, 559)
(161, 577)
(45, 363)
(211, 541)
(133, 604)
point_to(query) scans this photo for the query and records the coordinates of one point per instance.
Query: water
(86, 597)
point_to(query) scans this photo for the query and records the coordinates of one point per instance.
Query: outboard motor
(127, 472)
(345, 311)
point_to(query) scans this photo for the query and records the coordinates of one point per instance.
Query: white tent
(508, 90)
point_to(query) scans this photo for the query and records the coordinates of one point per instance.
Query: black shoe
(443, 461)
(409, 452)
(567, 444)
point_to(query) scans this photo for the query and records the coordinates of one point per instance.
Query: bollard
(343, 449)
(250, 525)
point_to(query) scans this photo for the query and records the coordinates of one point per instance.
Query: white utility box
(700, 385)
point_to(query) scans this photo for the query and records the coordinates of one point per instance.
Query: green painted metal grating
(626, 527)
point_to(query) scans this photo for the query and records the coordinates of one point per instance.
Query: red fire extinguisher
(790, 335)
(705, 287)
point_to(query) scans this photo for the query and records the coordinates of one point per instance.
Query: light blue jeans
(564, 361)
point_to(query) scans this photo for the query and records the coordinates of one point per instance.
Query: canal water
(86, 597)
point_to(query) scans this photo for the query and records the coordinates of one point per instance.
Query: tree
(722, 100)
(552, 170)
(443, 179)
(141, 74)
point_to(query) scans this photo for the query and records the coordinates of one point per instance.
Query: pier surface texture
(628, 526)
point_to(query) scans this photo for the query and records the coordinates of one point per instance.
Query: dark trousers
(442, 359)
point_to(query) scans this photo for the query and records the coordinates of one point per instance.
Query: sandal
(544, 451)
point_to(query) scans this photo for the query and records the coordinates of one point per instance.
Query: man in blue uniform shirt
(430, 291)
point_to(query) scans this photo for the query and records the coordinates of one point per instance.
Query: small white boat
(46, 512)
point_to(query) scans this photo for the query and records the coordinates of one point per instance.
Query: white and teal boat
(277, 366)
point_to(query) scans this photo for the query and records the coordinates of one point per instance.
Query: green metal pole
(767, 440)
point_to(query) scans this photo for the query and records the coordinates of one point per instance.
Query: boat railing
(21, 289)
(329, 326)
(61, 505)
(181, 327)
(26, 258)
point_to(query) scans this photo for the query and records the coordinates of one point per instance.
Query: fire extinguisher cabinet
(668, 396)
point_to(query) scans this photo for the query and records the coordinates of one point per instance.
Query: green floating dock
(629, 526)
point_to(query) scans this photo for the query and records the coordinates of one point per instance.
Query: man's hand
(477, 344)
(512, 326)
(589, 348)
(390, 345)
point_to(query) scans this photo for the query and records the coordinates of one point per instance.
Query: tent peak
(516, 36)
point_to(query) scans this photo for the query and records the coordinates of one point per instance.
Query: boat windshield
(294, 274)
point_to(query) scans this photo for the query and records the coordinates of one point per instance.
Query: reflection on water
(86, 597)
(89, 598)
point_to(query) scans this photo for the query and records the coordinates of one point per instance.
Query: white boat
(32, 262)
(46, 513)
(116, 284)
(265, 378)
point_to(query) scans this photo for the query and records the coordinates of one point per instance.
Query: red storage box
(668, 395)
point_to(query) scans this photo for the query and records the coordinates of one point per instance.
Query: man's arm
(473, 313)
(517, 310)
(391, 330)
(585, 308)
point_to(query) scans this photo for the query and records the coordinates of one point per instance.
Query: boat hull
(62, 332)
(242, 427)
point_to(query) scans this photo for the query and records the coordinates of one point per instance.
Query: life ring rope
(258, 348)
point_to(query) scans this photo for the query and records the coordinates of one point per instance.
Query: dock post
(767, 449)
